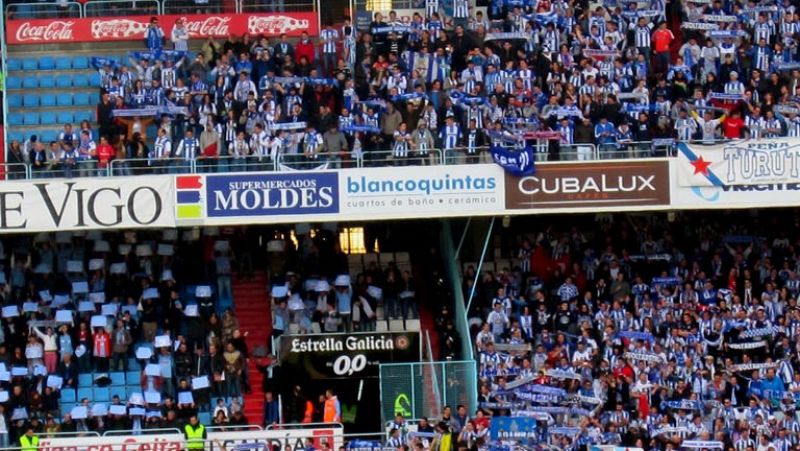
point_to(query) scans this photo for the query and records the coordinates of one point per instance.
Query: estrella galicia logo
(269, 194)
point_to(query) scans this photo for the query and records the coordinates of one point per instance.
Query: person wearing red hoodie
(102, 349)
(105, 152)
(305, 47)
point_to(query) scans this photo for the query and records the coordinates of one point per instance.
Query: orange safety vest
(329, 414)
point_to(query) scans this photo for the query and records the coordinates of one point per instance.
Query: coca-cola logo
(274, 25)
(56, 30)
(210, 26)
(119, 28)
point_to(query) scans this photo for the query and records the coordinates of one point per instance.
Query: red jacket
(104, 154)
(304, 49)
(102, 345)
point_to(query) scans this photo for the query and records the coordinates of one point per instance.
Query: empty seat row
(48, 117)
(48, 63)
(46, 81)
(52, 100)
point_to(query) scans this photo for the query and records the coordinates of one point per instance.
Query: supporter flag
(518, 162)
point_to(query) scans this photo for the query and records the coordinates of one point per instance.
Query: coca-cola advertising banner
(38, 31)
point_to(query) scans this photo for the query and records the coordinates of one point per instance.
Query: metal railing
(43, 10)
(119, 8)
(198, 7)
(275, 6)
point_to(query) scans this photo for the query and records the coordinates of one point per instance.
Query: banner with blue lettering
(516, 162)
(519, 429)
(738, 163)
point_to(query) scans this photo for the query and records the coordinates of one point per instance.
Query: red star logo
(701, 166)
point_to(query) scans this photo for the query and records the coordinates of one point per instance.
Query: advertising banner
(612, 185)
(217, 440)
(518, 429)
(349, 194)
(87, 203)
(132, 28)
(349, 365)
(745, 162)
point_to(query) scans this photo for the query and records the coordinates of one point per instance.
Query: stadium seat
(48, 118)
(132, 377)
(65, 117)
(80, 62)
(204, 417)
(84, 393)
(101, 394)
(49, 136)
(80, 99)
(66, 408)
(47, 81)
(80, 81)
(30, 100)
(64, 99)
(47, 63)
(14, 135)
(133, 363)
(64, 63)
(29, 64)
(84, 116)
(13, 82)
(68, 395)
(64, 81)
(94, 98)
(85, 380)
(15, 119)
(31, 118)
(122, 392)
(14, 101)
(48, 100)
(94, 80)
(30, 82)
(117, 379)
(13, 64)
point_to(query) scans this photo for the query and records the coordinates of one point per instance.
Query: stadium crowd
(644, 332)
(136, 330)
(615, 77)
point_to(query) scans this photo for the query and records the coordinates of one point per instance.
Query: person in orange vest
(333, 410)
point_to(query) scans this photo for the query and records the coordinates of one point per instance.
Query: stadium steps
(252, 307)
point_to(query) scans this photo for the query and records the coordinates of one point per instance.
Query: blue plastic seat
(13, 82)
(80, 62)
(85, 393)
(117, 379)
(95, 80)
(14, 135)
(133, 363)
(81, 116)
(13, 64)
(30, 100)
(30, 64)
(132, 378)
(14, 101)
(30, 82)
(30, 118)
(47, 81)
(101, 394)
(48, 100)
(68, 395)
(48, 136)
(85, 380)
(64, 99)
(48, 118)
(122, 392)
(64, 81)
(80, 99)
(64, 63)
(94, 98)
(66, 409)
(15, 119)
(65, 117)
(204, 417)
(47, 63)
(80, 81)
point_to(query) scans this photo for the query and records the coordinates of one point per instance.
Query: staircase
(252, 307)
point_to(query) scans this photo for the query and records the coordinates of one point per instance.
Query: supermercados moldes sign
(347, 355)
(591, 185)
(76, 204)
